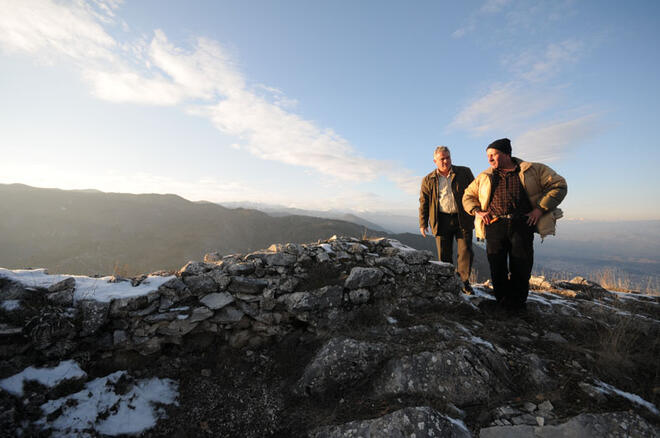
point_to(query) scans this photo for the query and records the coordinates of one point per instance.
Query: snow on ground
(607, 388)
(479, 291)
(98, 407)
(457, 422)
(635, 296)
(87, 288)
(441, 263)
(49, 377)
(10, 305)
(400, 246)
(327, 248)
(478, 340)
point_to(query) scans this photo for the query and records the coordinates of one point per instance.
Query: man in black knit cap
(510, 201)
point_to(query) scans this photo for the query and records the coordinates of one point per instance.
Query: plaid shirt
(508, 195)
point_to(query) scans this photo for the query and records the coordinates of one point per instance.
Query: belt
(507, 216)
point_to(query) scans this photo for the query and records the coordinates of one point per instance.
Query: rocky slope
(331, 339)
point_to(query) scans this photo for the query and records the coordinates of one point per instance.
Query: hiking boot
(467, 289)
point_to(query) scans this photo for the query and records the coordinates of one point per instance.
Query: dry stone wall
(245, 300)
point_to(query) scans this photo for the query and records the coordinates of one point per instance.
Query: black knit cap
(503, 144)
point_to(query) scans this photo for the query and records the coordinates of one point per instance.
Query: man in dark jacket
(440, 207)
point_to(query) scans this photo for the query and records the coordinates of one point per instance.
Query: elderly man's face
(443, 161)
(498, 159)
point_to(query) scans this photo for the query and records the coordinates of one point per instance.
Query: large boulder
(217, 300)
(340, 362)
(363, 277)
(461, 376)
(317, 300)
(420, 422)
(608, 425)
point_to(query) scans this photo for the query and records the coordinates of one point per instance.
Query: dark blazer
(428, 199)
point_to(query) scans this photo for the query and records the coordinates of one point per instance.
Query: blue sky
(329, 104)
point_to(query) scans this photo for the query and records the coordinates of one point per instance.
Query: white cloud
(129, 87)
(489, 7)
(204, 81)
(529, 104)
(505, 107)
(47, 29)
(530, 117)
(493, 6)
(513, 16)
(535, 68)
(548, 142)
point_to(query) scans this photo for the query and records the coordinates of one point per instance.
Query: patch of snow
(327, 248)
(87, 288)
(46, 376)
(182, 317)
(10, 305)
(478, 340)
(179, 309)
(457, 422)
(391, 320)
(440, 263)
(633, 296)
(632, 397)
(400, 246)
(479, 291)
(463, 328)
(99, 408)
(538, 299)
(467, 298)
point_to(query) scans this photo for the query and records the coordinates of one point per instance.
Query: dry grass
(616, 280)
(611, 279)
(627, 355)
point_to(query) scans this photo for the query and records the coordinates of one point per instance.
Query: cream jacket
(545, 189)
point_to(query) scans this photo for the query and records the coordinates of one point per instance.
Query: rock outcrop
(346, 337)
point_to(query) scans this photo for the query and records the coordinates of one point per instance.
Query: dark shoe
(467, 289)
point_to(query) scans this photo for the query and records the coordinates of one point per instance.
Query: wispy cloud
(549, 141)
(48, 29)
(202, 80)
(513, 16)
(503, 108)
(537, 67)
(489, 7)
(531, 106)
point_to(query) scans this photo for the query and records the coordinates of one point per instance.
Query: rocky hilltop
(340, 338)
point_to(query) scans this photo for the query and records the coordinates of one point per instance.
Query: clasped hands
(532, 217)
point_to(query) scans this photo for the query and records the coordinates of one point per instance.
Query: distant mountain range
(376, 220)
(622, 252)
(91, 232)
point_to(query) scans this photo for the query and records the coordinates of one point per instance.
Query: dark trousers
(510, 250)
(450, 230)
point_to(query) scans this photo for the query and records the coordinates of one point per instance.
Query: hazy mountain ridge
(95, 232)
(92, 232)
(625, 250)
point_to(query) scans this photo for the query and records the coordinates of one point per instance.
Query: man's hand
(533, 216)
(485, 216)
(423, 230)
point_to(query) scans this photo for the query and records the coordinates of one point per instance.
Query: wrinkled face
(498, 159)
(443, 161)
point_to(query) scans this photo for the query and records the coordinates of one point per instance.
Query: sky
(330, 105)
